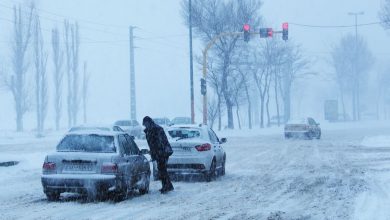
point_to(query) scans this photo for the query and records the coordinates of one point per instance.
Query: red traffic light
(247, 27)
(270, 32)
(285, 26)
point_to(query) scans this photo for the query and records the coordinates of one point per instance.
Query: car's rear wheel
(211, 174)
(52, 196)
(145, 189)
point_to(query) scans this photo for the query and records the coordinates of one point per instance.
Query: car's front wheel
(52, 196)
(223, 170)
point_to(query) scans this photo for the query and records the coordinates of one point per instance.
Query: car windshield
(182, 133)
(87, 143)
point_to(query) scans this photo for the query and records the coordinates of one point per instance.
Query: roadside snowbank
(376, 141)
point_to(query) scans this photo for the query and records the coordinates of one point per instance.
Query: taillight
(109, 168)
(48, 167)
(203, 147)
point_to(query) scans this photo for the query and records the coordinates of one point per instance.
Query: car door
(216, 146)
(136, 159)
(124, 165)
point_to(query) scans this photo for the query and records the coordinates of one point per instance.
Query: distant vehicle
(181, 121)
(302, 128)
(132, 127)
(162, 121)
(196, 151)
(97, 164)
(96, 128)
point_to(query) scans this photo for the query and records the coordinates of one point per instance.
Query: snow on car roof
(96, 132)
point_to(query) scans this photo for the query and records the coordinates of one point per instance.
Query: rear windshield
(184, 133)
(87, 143)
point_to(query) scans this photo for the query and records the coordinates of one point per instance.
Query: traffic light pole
(205, 56)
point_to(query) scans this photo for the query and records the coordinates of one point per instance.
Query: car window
(116, 128)
(184, 133)
(134, 150)
(124, 145)
(212, 136)
(311, 121)
(87, 143)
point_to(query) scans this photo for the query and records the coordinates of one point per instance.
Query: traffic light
(203, 87)
(266, 32)
(247, 34)
(285, 31)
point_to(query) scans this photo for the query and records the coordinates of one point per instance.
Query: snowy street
(346, 175)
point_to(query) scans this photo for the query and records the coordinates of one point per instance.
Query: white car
(302, 128)
(132, 127)
(97, 164)
(88, 127)
(196, 151)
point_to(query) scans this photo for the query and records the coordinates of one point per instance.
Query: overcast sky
(162, 60)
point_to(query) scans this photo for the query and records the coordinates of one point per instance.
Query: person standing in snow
(160, 150)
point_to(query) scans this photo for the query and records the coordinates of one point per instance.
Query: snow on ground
(338, 177)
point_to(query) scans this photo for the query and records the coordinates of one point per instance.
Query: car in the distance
(181, 121)
(98, 164)
(197, 151)
(302, 128)
(132, 127)
(162, 121)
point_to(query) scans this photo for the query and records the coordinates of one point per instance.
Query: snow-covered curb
(376, 141)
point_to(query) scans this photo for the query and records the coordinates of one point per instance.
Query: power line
(335, 26)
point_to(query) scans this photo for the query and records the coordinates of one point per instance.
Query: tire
(53, 196)
(211, 174)
(223, 170)
(319, 135)
(145, 190)
(155, 174)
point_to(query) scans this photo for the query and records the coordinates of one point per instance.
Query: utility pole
(191, 66)
(133, 113)
(356, 95)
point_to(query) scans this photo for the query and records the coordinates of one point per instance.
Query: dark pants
(163, 173)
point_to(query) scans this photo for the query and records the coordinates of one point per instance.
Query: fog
(162, 53)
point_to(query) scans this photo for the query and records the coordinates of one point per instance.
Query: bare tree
(352, 61)
(213, 17)
(212, 111)
(17, 81)
(68, 55)
(85, 92)
(384, 14)
(40, 61)
(72, 45)
(295, 66)
(58, 75)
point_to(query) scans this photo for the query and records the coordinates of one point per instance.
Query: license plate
(182, 149)
(78, 167)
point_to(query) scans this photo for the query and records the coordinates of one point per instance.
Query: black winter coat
(158, 142)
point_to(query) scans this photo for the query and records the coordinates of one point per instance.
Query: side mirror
(145, 151)
(223, 140)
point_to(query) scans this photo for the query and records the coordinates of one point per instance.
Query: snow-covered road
(346, 175)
